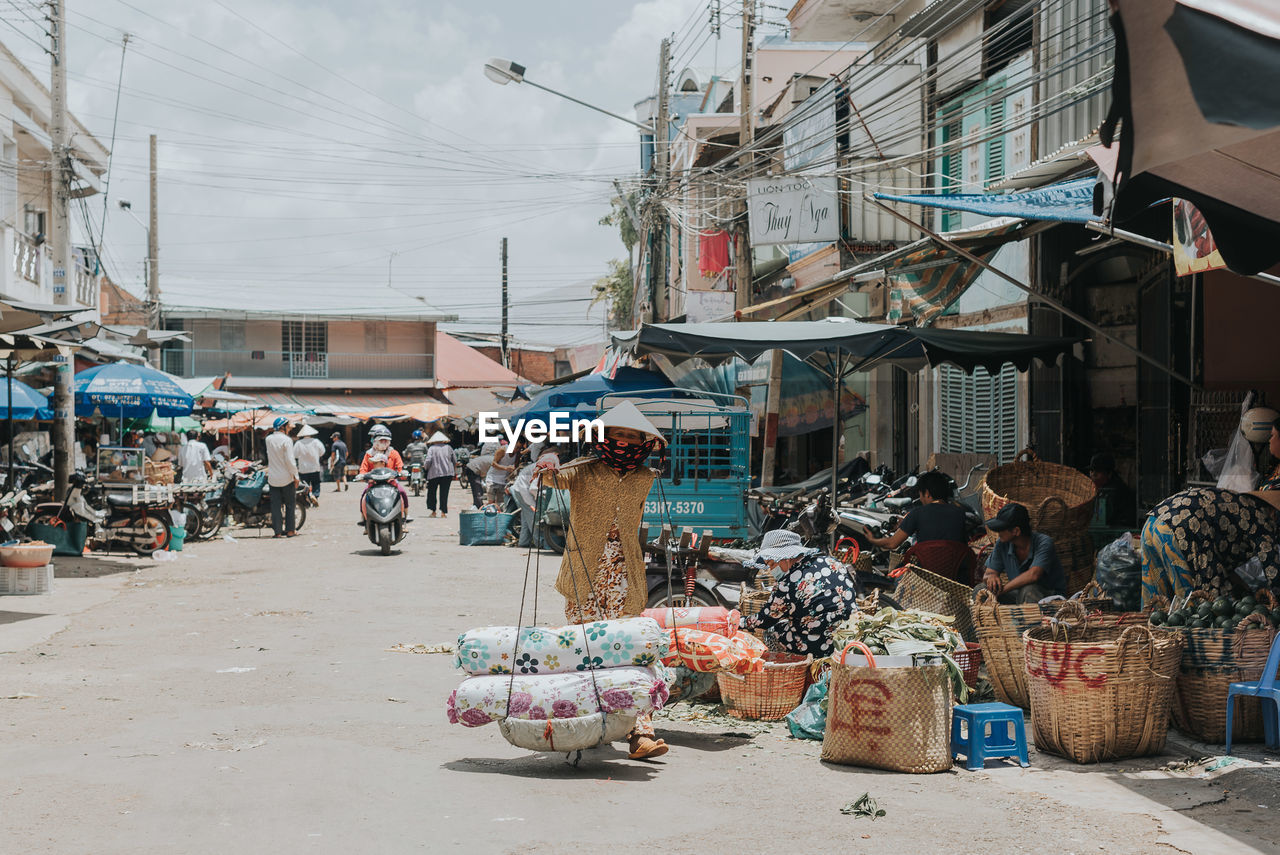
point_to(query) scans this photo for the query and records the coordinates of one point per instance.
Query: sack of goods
(561, 688)
(707, 640)
(716, 619)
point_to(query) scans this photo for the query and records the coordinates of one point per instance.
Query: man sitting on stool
(1027, 558)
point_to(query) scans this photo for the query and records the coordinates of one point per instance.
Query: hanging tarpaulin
(1197, 115)
(1064, 202)
(924, 280)
(1194, 249)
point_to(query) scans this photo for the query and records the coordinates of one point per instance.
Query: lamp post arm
(641, 126)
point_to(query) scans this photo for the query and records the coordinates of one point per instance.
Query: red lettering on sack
(864, 708)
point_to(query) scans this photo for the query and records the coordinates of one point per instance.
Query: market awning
(386, 407)
(923, 277)
(1195, 100)
(1064, 202)
(863, 344)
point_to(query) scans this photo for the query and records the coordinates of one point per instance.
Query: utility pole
(662, 169)
(746, 135)
(60, 245)
(506, 349)
(153, 258)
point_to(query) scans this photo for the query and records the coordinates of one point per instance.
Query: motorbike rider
(382, 454)
(416, 451)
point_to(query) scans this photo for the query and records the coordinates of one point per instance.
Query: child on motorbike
(382, 454)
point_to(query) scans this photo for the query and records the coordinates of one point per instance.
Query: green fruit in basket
(1204, 610)
(1225, 622)
(1159, 618)
(1246, 604)
(1197, 623)
(1178, 618)
(1275, 616)
(1222, 606)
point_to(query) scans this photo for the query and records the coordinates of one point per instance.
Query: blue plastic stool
(984, 732)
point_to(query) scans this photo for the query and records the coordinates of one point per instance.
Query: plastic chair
(994, 731)
(1267, 694)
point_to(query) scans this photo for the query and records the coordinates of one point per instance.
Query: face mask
(623, 457)
(776, 571)
(381, 445)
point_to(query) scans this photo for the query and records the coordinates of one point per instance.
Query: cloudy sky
(313, 150)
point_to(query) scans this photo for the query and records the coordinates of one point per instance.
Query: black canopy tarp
(1196, 97)
(839, 347)
(846, 344)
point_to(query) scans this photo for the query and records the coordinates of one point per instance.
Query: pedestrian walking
(282, 479)
(495, 482)
(476, 469)
(309, 454)
(195, 459)
(439, 465)
(338, 461)
(602, 576)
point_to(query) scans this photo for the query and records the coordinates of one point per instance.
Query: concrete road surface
(244, 699)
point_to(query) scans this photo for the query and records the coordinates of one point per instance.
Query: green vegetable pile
(890, 632)
(1221, 613)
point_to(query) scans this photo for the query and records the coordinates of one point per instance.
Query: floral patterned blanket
(631, 690)
(716, 619)
(561, 650)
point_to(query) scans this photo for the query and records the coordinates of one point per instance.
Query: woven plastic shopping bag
(888, 718)
(483, 528)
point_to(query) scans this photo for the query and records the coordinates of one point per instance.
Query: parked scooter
(138, 524)
(246, 499)
(382, 509)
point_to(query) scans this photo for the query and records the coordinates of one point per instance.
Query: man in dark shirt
(1027, 558)
(338, 462)
(939, 529)
(935, 519)
(1115, 497)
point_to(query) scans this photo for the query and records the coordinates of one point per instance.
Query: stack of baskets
(1000, 629)
(751, 600)
(1060, 501)
(1101, 692)
(770, 694)
(1212, 659)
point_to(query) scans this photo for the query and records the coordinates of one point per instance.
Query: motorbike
(111, 519)
(381, 509)
(245, 498)
(416, 480)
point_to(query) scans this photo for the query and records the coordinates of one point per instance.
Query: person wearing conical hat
(438, 466)
(602, 574)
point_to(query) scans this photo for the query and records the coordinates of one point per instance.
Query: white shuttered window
(978, 413)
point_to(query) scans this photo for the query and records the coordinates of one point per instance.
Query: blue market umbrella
(129, 391)
(27, 402)
(586, 391)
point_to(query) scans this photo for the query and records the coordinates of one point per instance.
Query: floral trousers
(605, 600)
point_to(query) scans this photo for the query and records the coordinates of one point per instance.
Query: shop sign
(1194, 250)
(791, 209)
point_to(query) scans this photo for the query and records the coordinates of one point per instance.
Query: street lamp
(504, 71)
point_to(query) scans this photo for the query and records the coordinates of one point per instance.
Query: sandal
(646, 748)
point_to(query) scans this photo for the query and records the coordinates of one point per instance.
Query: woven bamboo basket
(1101, 692)
(1059, 499)
(770, 694)
(1212, 659)
(920, 589)
(1079, 559)
(999, 629)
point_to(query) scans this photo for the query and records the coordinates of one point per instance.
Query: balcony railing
(195, 362)
(28, 259)
(33, 263)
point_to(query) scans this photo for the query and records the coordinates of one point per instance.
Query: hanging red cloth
(713, 252)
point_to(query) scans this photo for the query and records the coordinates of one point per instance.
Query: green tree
(616, 287)
(619, 217)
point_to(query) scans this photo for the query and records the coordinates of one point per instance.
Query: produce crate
(26, 580)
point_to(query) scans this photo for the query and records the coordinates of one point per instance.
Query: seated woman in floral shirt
(814, 594)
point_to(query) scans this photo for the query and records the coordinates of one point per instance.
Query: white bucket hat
(308, 430)
(438, 436)
(627, 415)
(779, 545)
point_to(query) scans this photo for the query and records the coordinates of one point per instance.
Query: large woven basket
(1000, 628)
(770, 694)
(920, 589)
(1079, 559)
(1101, 692)
(1212, 659)
(1060, 499)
